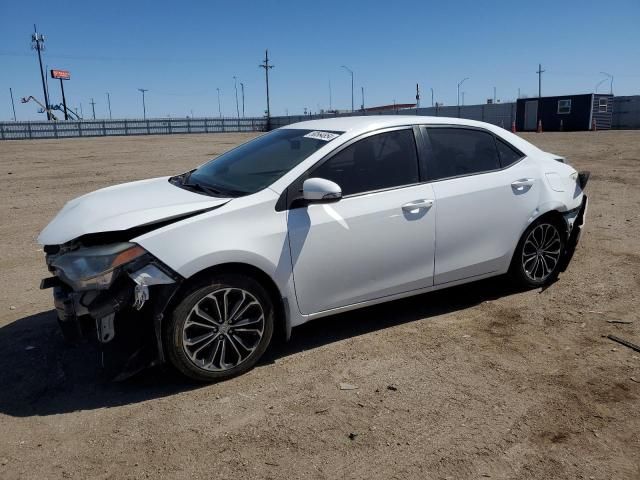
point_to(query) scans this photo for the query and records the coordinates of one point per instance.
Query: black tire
(526, 276)
(174, 330)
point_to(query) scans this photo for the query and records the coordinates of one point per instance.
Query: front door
(378, 240)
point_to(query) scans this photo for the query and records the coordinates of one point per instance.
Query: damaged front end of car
(113, 294)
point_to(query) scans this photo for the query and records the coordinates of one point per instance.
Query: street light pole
(144, 106)
(13, 105)
(610, 78)
(219, 109)
(242, 88)
(235, 85)
(350, 72)
(600, 83)
(460, 83)
(432, 97)
(109, 104)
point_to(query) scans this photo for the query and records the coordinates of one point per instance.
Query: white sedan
(205, 268)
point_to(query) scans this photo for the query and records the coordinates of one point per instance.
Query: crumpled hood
(122, 207)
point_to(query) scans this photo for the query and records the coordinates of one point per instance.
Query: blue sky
(183, 51)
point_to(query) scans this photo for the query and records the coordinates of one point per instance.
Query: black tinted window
(508, 154)
(380, 161)
(459, 151)
(260, 162)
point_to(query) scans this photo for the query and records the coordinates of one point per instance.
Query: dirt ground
(481, 381)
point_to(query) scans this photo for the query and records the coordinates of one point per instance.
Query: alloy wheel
(223, 329)
(541, 252)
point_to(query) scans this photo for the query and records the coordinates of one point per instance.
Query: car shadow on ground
(41, 375)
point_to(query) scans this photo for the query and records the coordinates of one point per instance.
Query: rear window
(508, 154)
(460, 151)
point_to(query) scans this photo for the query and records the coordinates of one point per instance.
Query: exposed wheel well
(280, 327)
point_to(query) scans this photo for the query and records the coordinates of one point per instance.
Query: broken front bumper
(124, 320)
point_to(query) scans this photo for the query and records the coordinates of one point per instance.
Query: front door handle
(522, 184)
(417, 205)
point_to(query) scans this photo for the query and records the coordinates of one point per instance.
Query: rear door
(485, 192)
(378, 240)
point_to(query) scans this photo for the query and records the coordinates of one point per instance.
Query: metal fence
(626, 112)
(106, 128)
(501, 114)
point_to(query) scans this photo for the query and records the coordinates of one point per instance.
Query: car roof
(355, 125)
(369, 122)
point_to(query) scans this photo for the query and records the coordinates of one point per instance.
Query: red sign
(61, 74)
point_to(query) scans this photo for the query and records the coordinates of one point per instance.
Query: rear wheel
(220, 329)
(536, 261)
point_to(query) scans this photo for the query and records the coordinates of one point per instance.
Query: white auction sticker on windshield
(318, 135)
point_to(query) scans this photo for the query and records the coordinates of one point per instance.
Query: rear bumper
(574, 236)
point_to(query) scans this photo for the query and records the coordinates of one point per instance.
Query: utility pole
(242, 88)
(330, 106)
(109, 104)
(13, 105)
(417, 97)
(351, 73)
(494, 94)
(518, 92)
(362, 106)
(219, 109)
(235, 85)
(81, 112)
(144, 106)
(93, 108)
(540, 72)
(460, 83)
(37, 44)
(432, 97)
(266, 67)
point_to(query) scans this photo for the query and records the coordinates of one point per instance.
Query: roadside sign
(61, 74)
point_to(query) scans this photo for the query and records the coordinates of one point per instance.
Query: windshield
(258, 163)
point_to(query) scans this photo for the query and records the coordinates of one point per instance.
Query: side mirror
(318, 190)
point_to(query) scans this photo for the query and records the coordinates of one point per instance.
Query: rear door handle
(523, 183)
(417, 204)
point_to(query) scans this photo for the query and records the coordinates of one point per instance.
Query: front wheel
(220, 329)
(536, 261)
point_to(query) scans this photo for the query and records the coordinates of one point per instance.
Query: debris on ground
(624, 322)
(347, 386)
(12, 307)
(322, 410)
(634, 379)
(352, 436)
(392, 388)
(624, 342)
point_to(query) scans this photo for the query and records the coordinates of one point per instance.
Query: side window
(508, 154)
(460, 151)
(385, 160)
(564, 106)
(602, 105)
